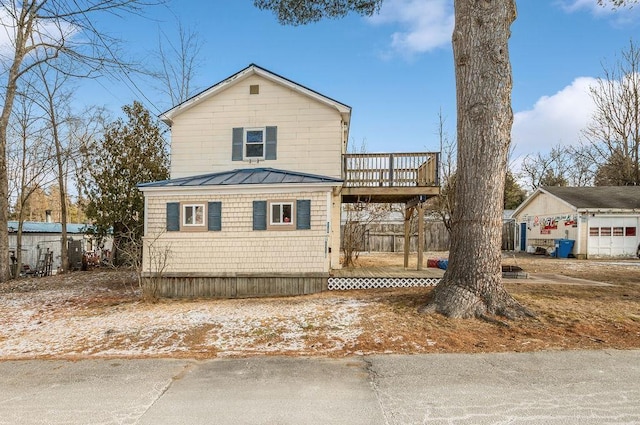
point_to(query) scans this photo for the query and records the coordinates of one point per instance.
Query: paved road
(577, 387)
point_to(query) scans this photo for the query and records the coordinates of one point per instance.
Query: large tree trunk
(472, 285)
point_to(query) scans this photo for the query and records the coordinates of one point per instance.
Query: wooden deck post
(421, 208)
(408, 212)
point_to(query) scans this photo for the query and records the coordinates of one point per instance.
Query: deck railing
(390, 169)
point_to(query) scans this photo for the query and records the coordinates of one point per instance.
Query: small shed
(42, 238)
(601, 221)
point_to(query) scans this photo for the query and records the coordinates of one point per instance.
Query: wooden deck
(390, 177)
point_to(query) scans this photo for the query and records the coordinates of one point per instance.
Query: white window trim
(284, 224)
(184, 215)
(244, 143)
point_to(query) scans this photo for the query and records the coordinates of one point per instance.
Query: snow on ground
(81, 321)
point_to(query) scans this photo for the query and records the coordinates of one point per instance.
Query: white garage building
(602, 221)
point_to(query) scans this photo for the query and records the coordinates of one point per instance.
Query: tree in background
(514, 195)
(613, 136)
(42, 31)
(547, 169)
(179, 61)
(130, 152)
(443, 203)
(30, 166)
(54, 99)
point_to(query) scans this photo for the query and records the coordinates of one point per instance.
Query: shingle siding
(237, 248)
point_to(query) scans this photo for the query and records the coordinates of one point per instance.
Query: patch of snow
(63, 323)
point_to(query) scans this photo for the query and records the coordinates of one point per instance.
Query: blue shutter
(214, 216)
(236, 144)
(173, 216)
(271, 143)
(303, 214)
(259, 215)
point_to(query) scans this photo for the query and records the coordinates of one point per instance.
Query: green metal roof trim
(42, 227)
(244, 176)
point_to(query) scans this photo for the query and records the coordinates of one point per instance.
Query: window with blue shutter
(259, 143)
(173, 216)
(259, 215)
(271, 137)
(214, 216)
(303, 214)
(237, 143)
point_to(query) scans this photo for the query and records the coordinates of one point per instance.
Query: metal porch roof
(245, 176)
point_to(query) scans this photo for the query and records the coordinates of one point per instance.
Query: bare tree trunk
(472, 285)
(64, 254)
(10, 94)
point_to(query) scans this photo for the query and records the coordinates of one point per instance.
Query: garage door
(613, 236)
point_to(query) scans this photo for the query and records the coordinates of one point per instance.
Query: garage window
(618, 231)
(605, 231)
(629, 231)
(594, 231)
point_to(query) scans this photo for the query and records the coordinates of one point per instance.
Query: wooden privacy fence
(390, 237)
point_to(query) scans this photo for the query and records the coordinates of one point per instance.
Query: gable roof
(591, 198)
(244, 176)
(253, 69)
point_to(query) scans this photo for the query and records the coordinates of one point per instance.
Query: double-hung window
(281, 214)
(193, 215)
(254, 143)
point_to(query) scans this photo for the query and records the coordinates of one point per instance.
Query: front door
(523, 236)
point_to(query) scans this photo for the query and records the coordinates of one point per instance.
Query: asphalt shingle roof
(601, 197)
(244, 177)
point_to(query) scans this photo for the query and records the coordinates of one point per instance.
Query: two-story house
(252, 206)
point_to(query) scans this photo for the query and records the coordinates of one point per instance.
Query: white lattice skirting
(346, 283)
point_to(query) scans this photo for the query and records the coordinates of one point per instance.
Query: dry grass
(99, 314)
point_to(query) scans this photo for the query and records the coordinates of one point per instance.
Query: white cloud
(624, 15)
(46, 31)
(553, 120)
(425, 24)
(589, 5)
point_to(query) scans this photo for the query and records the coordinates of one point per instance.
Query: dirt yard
(99, 314)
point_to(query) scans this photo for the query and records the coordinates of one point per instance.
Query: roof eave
(237, 188)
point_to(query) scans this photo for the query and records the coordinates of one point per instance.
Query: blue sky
(394, 69)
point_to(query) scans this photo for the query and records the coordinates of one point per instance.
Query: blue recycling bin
(563, 247)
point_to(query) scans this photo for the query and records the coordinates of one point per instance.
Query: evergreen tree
(130, 152)
(513, 193)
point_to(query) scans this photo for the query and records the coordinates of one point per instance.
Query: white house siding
(543, 227)
(309, 133)
(237, 248)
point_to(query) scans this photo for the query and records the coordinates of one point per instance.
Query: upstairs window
(254, 144)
